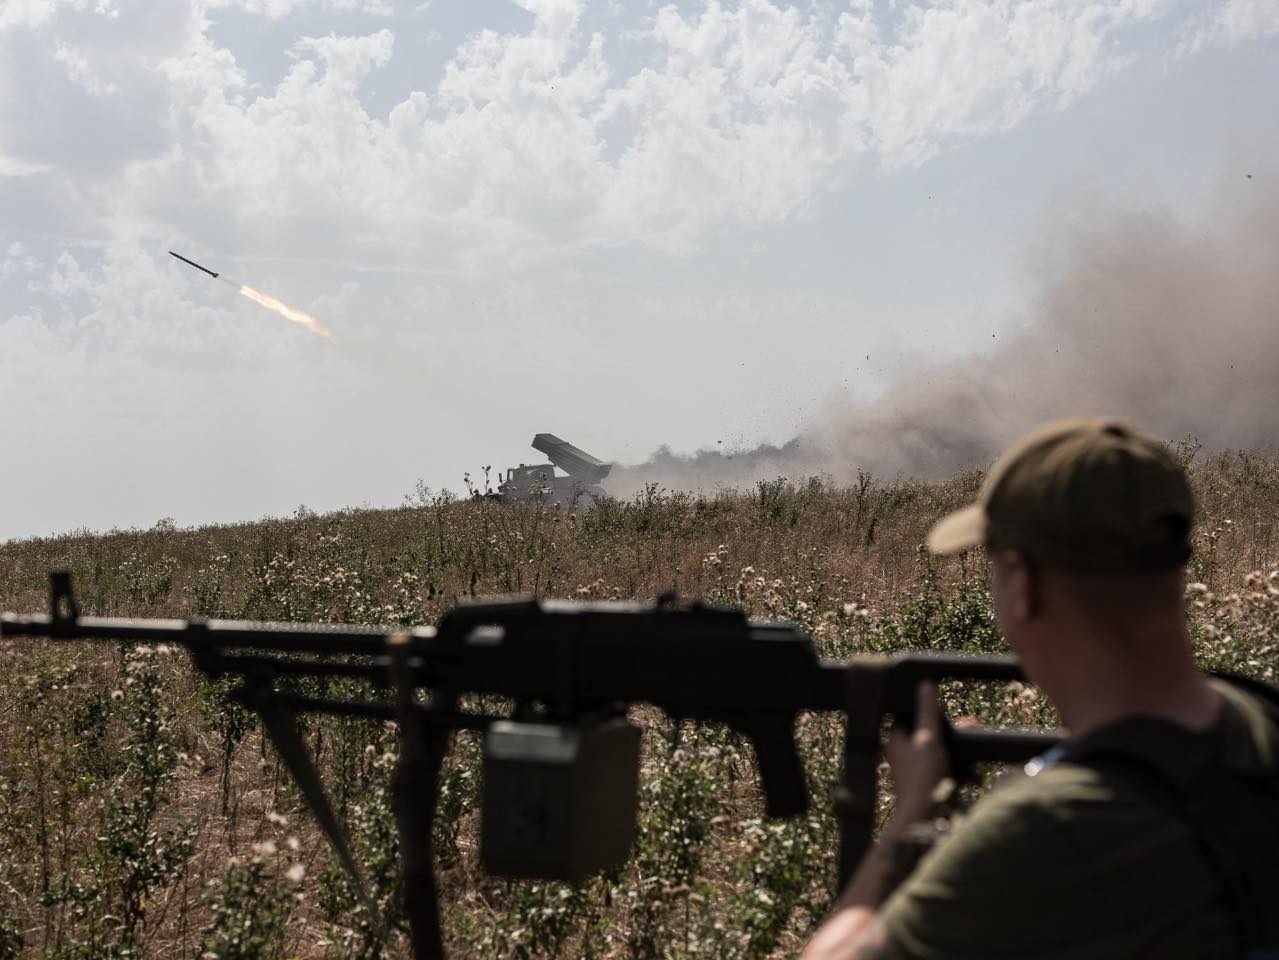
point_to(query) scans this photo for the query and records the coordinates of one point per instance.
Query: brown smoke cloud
(1141, 314)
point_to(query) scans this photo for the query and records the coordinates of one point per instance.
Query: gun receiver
(570, 669)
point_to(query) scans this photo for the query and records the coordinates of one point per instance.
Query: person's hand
(918, 759)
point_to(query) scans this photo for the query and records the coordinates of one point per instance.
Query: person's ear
(1025, 587)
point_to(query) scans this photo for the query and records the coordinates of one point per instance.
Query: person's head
(1086, 525)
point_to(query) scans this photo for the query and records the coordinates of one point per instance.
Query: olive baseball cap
(1090, 496)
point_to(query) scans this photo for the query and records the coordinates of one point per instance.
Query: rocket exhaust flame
(299, 317)
(293, 315)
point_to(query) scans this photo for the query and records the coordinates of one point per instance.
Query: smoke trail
(1173, 324)
(299, 317)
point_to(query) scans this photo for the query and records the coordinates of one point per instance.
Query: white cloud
(1231, 22)
(79, 69)
(26, 13)
(33, 14)
(535, 140)
(957, 70)
(738, 114)
(279, 9)
(738, 119)
(13, 167)
(17, 262)
(275, 155)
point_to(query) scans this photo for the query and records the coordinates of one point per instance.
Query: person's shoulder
(1054, 780)
(1032, 849)
(1249, 726)
(1064, 813)
(1061, 790)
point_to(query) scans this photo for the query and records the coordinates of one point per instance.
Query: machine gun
(560, 768)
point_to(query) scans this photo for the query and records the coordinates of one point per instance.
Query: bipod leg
(855, 799)
(424, 742)
(282, 730)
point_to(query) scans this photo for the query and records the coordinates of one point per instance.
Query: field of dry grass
(142, 815)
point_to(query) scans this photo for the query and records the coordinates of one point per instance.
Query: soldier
(1154, 830)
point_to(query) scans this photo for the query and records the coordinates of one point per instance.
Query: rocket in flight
(192, 263)
(292, 314)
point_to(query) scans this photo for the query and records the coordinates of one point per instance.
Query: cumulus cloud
(17, 261)
(279, 9)
(742, 114)
(1228, 22)
(39, 13)
(956, 70)
(79, 69)
(12, 167)
(534, 140)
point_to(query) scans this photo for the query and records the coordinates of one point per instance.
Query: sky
(693, 225)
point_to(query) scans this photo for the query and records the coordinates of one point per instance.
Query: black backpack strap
(1234, 813)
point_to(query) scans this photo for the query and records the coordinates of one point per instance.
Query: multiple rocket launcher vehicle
(578, 489)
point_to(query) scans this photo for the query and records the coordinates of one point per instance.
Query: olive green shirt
(1072, 863)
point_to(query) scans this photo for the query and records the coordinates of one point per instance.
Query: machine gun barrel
(330, 639)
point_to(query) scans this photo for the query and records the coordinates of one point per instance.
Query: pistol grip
(780, 771)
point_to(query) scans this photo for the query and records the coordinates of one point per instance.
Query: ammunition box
(559, 800)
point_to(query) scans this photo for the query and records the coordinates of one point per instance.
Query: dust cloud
(1170, 322)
